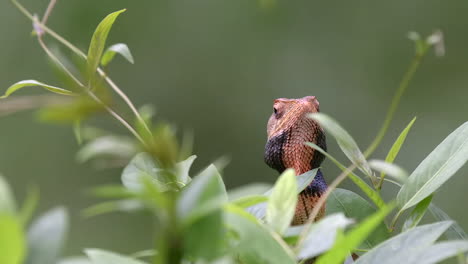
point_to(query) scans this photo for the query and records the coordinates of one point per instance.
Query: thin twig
(80, 53)
(48, 11)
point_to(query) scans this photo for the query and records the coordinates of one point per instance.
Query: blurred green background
(214, 67)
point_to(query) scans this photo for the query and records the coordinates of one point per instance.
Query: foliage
(198, 221)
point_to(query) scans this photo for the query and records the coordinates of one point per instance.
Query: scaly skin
(288, 129)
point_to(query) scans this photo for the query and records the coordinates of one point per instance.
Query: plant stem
(396, 100)
(83, 55)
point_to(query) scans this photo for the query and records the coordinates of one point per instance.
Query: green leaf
(183, 169)
(46, 236)
(125, 205)
(28, 83)
(441, 251)
(322, 235)
(254, 240)
(455, 231)
(141, 166)
(417, 214)
(395, 149)
(98, 41)
(354, 238)
(344, 140)
(120, 48)
(391, 169)
(250, 200)
(405, 246)
(205, 237)
(12, 244)
(112, 191)
(250, 189)
(357, 208)
(108, 146)
(282, 202)
(205, 193)
(303, 181)
(75, 260)
(99, 256)
(7, 201)
(435, 169)
(29, 205)
(371, 193)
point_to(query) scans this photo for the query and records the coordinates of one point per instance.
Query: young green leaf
(99, 256)
(417, 213)
(354, 238)
(124, 205)
(120, 48)
(303, 180)
(46, 237)
(255, 241)
(108, 146)
(28, 83)
(395, 149)
(391, 169)
(405, 246)
(29, 205)
(250, 200)
(205, 237)
(141, 166)
(205, 193)
(322, 235)
(183, 169)
(441, 251)
(98, 41)
(344, 140)
(355, 207)
(250, 189)
(435, 169)
(12, 244)
(75, 260)
(7, 201)
(455, 231)
(282, 202)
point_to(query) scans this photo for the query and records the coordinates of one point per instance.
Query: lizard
(288, 130)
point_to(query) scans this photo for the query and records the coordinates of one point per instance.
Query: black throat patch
(273, 155)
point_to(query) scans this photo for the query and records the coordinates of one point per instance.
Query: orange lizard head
(288, 130)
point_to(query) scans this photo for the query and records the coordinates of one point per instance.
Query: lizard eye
(275, 110)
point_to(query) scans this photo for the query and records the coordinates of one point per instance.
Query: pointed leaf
(441, 251)
(143, 166)
(344, 140)
(455, 231)
(417, 213)
(120, 48)
(205, 193)
(98, 41)
(357, 208)
(354, 238)
(46, 236)
(282, 202)
(435, 169)
(392, 170)
(12, 244)
(183, 169)
(107, 146)
(392, 154)
(7, 201)
(28, 83)
(255, 241)
(402, 248)
(322, 235)
(99, 256)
